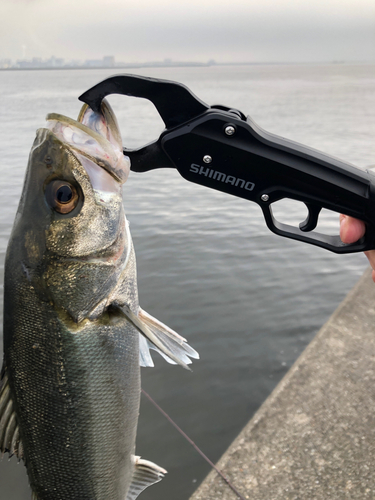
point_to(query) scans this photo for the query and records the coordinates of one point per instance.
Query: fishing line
(193, 444)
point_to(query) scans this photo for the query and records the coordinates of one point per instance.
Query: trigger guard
(332, 243)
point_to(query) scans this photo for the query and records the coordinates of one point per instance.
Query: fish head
(83, 189)
(70, 220)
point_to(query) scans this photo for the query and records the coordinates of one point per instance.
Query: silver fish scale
(77, 398)
(70, 388)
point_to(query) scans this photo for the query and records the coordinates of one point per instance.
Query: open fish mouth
(95, 136)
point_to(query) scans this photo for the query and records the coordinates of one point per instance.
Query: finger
(351, 230)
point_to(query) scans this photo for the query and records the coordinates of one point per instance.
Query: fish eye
(61, 196)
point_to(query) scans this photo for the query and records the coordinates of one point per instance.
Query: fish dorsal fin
(145, 474)
(9, 430)
(157, 336)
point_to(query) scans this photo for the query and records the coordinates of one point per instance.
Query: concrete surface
(314, 437)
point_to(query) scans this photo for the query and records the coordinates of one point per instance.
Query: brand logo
(219, 176)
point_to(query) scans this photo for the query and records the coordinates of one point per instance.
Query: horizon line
(166, 64)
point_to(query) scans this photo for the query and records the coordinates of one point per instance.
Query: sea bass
(74, 333)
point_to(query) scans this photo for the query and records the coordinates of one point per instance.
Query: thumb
(351, 230)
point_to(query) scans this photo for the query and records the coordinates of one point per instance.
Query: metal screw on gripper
(229, 130)
(207, 159)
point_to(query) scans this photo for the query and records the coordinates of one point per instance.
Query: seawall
(314, 436)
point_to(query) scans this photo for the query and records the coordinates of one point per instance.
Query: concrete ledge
(314, 437)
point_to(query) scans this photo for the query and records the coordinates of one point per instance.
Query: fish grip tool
(220, 148)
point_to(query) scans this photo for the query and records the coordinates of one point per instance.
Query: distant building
(109, 61)
(106, 62)
(37, 62)
(93, 63)
(23, 63)
(73, 63)
(55, 62)
(5, 63)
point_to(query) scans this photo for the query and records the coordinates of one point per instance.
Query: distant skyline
(190, 30)
(105, 62)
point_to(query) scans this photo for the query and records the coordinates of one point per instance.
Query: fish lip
(117, 173)
(76, 151)
(101, 164)
(93, 145)
(90, 164)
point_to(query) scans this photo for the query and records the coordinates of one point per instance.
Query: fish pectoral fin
(160, 338)
(145, 358)
(9, 430)
(145, 474)
(169, 338)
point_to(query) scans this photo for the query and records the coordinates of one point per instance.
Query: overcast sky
(186, 30)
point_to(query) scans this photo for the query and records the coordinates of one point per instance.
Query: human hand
(350, 231)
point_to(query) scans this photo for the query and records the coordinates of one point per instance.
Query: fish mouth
(95, 136)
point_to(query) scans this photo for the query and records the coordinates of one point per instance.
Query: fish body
(74, 334)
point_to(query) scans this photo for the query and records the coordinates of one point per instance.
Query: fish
(75, 335)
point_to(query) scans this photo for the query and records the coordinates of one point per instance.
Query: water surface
(247, 300)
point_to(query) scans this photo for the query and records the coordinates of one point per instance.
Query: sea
(249, 301)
